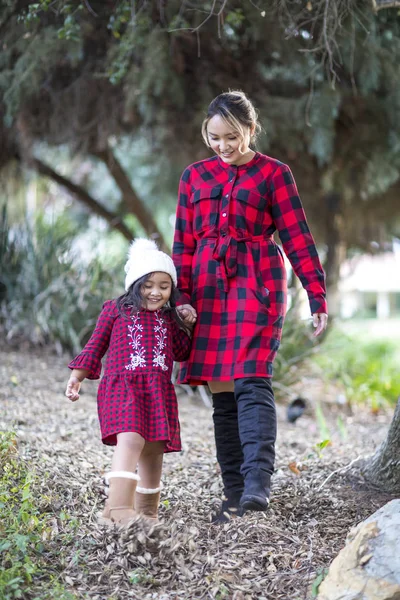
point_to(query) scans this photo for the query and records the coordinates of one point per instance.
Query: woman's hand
(320, 322)
(73, 387)
(187, 314)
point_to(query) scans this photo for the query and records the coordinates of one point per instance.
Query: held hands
(320, 322)
(73, 387)
(187, 314)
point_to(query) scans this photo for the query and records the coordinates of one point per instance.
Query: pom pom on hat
(144, 257)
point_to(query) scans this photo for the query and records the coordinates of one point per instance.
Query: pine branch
(380, 4)
(82, 195)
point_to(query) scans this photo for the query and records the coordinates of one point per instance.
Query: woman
(232, 274)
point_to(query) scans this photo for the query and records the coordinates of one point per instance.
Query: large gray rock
(368, 567)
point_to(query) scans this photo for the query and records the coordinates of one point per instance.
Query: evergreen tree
(324, 76)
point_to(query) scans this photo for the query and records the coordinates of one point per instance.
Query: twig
(379, 4)
(341, 470)
(309, 567)
(90, 9)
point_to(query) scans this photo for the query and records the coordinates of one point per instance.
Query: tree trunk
(336, 251)
(129, 196)
(383, 468)
(95, 207)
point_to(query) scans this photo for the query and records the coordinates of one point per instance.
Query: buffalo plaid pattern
(135, 393)
(232, 271)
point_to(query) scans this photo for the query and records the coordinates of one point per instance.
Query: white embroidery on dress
(161, 337)
(138, 355)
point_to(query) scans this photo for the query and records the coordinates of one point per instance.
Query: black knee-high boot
(257, 430)
(229, 453)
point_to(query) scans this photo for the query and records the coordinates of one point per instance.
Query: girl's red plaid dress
(135, 393)
(232, 271)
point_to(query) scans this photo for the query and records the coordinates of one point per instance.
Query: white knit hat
(144, 257)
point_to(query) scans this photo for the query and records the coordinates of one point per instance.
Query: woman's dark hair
(132, 301)
(237, 111)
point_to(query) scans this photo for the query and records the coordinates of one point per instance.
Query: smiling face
(227, 143)
(156, 290)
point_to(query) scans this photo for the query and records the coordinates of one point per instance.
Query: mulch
(317, 497)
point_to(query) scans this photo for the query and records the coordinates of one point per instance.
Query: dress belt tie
(225, 253)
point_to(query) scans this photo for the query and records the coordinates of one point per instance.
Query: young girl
(137, 404)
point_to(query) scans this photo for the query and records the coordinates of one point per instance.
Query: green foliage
(323, 112)
(317, 582)
(325, 83)
(51, 296)
(22, 530)
(27, 61)
(321, 421)
(293, 359)
(367, 371)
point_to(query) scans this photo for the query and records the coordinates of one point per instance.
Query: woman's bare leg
(221, 386)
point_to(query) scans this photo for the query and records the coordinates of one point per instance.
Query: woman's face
(226, 142)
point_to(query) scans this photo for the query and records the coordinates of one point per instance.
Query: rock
(368, 567)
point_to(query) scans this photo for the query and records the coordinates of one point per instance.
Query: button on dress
(232, 271)
(136, 393)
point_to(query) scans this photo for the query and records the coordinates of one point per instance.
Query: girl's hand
(73, 387)
(187, 313)
(320, 322)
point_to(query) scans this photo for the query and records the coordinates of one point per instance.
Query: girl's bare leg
(122, 478)
(147, 496)
(127, 451)
(150, 464)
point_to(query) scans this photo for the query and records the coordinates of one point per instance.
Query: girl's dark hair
(132, 301)
(237, 111)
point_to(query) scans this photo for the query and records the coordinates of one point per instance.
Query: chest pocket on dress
(250, 210)
(206, 204)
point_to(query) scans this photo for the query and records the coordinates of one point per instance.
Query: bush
(22, 530)
(293, 360)
(51, 297)
(366, 371)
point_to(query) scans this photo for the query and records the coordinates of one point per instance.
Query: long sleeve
(93, 352)
(181, 342)
(184, 243)
(298, 243)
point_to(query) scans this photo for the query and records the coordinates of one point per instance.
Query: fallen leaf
(293, 467)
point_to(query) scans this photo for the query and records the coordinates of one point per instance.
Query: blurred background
(101, 105)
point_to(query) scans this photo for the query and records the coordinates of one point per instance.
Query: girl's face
(156, 290)
(227, 143)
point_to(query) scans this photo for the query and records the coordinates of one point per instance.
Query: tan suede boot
(147, 501)
(120, 506)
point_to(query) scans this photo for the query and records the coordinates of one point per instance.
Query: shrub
(366, 371)
(51, 296)
(293, 360)
(22, 530)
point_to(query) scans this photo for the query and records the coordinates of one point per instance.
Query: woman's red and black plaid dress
(232, 271)
(135, 393)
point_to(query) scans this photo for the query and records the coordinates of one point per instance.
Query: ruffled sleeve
(90, 357)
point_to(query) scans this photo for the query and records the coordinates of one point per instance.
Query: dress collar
(244, 167)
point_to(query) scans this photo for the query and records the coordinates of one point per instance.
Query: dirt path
(273, 556)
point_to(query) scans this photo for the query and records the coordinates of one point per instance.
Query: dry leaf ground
(274, 556)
